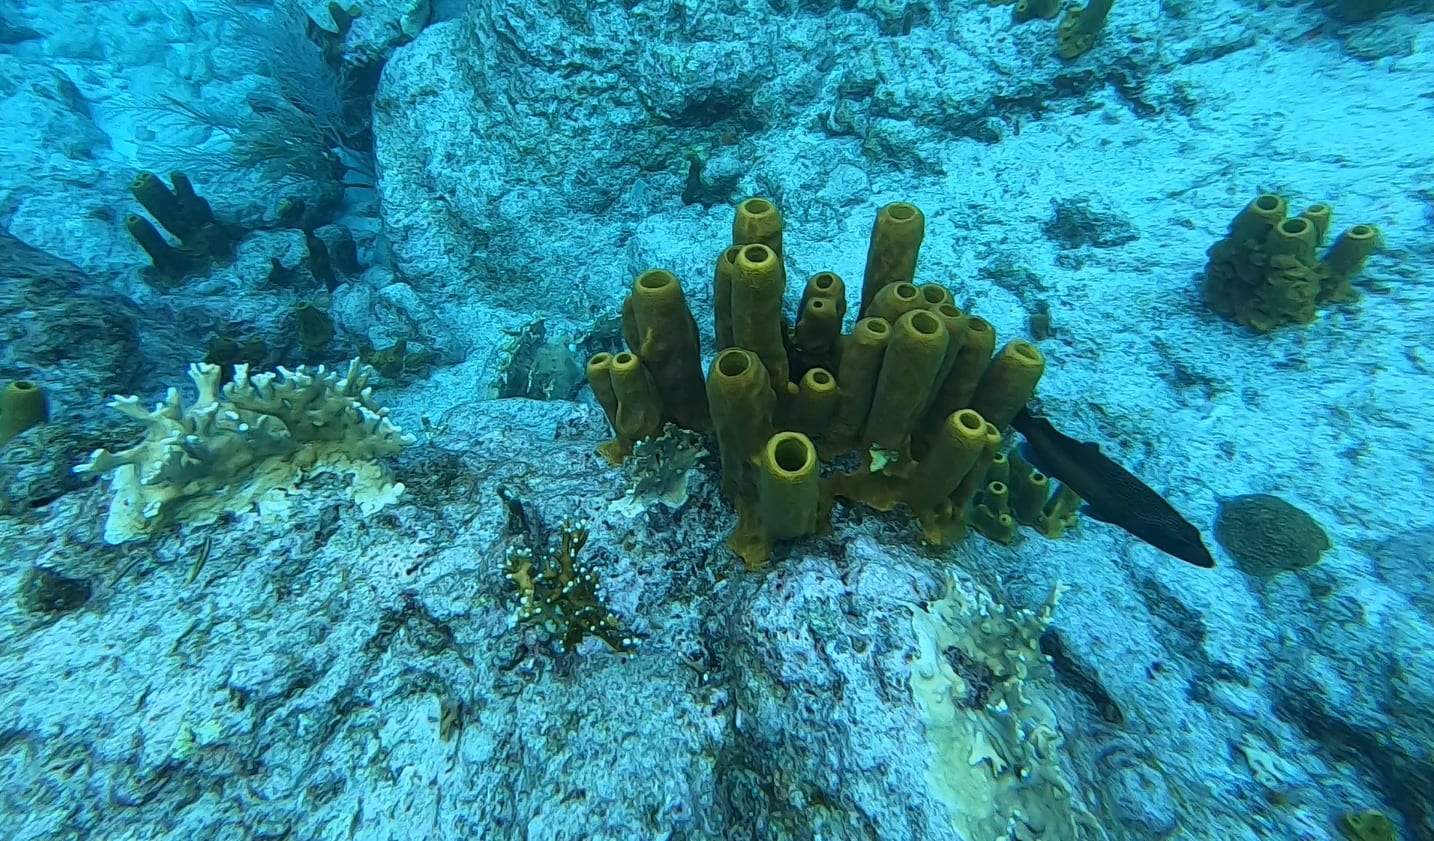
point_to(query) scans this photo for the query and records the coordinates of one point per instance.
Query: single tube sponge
(238, 442)
(22, 405)
(1078, 30)
(908, 377)
(757, 291)
(758, 220)
(658, 326)
(1009, 383)
(787, 492)
(896, 237)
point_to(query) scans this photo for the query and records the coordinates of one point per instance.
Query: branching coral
(237, 442)
(561, 594)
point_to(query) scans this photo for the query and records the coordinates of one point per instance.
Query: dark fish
(1112, 494)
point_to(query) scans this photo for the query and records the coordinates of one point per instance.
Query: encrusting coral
(917, 390)
(995, 749)
(1267, 535)
(237, 442)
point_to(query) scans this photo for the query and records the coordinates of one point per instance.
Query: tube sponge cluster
(184, 214)
(237, 442)
(1266, 272)
(916, 389)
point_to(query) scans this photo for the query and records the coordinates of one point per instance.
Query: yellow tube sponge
(1265, 274)
(1262, 213)
(1030, 9)
(742, 400)
(817, 340)
(1319, 215)
(1030, 488)
(788, 495)
(815, 402)
(758, 220)
(977, 476)
(955, 323)
(1294, 237)
(992, 514)
(599, 371)
(757, 291)
(22, 405)
(1037, 502)
(972, 359)
(861, 357)
(953, 452)
(1009, 383)
(639, 405)
(724, 276)
(907, 380)
(894, 300)
(660, 329)
(1078, 29)
(896, 237)
(1345, 260)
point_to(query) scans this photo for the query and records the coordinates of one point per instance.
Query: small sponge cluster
(239, 441)
(1266, 273)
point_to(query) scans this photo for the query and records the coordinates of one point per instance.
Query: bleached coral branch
(260, 433)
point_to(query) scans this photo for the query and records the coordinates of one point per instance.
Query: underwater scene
(716, 420)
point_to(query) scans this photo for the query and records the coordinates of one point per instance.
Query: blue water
(716, 419)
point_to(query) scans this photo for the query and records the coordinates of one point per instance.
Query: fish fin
(1097, 514)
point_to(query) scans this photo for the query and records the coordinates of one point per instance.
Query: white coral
(260, 433)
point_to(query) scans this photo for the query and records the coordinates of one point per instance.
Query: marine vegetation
(301, 127)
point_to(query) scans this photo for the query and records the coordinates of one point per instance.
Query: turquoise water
(696, 419)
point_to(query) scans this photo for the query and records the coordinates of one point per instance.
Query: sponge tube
(787, 490)
(891, 257)
(907, 380)
(1010, 383)
(742, 400)
(660, 329)
(22, 405)
(757, 294)
(758, 220)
